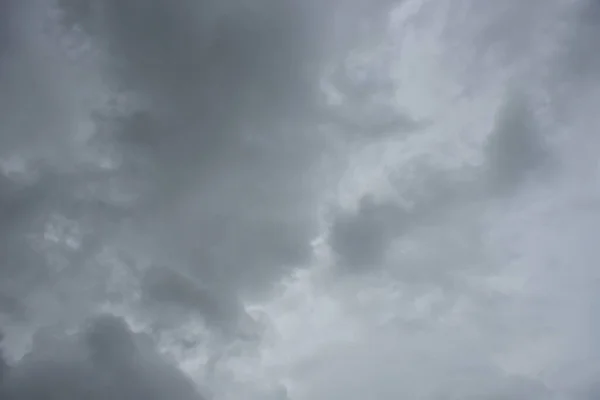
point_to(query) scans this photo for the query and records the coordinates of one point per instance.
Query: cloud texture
(205, 199)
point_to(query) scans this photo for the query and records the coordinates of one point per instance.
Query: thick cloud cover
(105, 361)
(299, 199)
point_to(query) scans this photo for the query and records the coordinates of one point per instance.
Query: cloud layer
(298, 200)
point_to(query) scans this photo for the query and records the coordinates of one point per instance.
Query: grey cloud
(216, 163)
(367, 108)
(222, 148)
(389, 371)
(223, 139)
(515, 153)
(209, 67)
(36, 96)
(180, 292)
(37, 107)
(6, 11)
(3, 364)
(581, 60)
(32, 209)
(217, 167)
(515, 148)
(360, 240)
(105, 361)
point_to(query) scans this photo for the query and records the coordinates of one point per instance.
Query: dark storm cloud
(223, 145)
(217, 163)
(105, 361)
(209, 67)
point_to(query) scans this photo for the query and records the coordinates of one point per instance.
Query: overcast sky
(299, 200)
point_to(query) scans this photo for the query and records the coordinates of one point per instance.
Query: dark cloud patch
(215, 167)
(222, 146)
(515, 148)
(582, 49)
(208, 67)
(360, 239)
(105, 361)
(182, 292)
(230, 237)
(39, 218)
(6, 11)
(216, 163)
(3, 364)
(10, 303)
(21, 268)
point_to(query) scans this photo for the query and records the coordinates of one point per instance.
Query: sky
(299, 200)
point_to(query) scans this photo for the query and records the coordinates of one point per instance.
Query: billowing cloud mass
(294, 200)
(104, 361)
